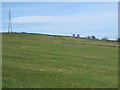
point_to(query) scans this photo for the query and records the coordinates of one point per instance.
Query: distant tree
(78, 35)
(93, 37)
(23, 32)
(73, 35)
(118, 39)
(88, 37)
(97, 38)
(104, 38)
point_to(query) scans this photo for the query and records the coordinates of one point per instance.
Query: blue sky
(63, 18)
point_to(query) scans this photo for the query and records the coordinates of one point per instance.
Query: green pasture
(39, 61)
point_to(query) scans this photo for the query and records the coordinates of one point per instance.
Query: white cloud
(99, 17)
(31, 19)
(37, 19)
(78, 23)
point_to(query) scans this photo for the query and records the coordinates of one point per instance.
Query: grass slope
(38, 61)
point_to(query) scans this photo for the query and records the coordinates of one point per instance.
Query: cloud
(99, 17)
(68, 24)
(31, 19)
(38, 19)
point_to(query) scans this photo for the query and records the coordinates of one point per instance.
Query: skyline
(63, 18)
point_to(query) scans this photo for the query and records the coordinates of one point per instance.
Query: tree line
(94, 38)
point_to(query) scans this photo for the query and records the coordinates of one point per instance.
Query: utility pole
(10, 23)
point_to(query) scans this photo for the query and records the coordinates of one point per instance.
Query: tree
(118, 39)
(73, 35)
(93, 37)
(88, 37)
(78, 35)
(104, 38)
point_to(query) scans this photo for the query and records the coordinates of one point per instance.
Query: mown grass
(38, 61)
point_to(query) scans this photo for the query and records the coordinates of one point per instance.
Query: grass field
(39, 61)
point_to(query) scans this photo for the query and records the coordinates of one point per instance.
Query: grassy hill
(41, 61)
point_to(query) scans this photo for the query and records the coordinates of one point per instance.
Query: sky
(60, 0)
(0, 17)
(63, 18)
